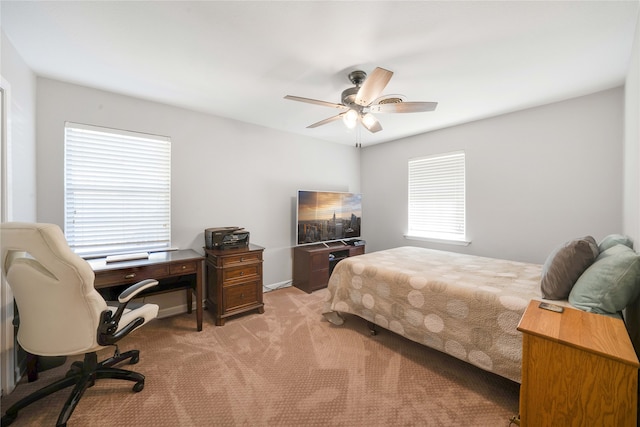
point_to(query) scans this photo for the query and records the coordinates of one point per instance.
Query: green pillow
(613, 251)
(609, 284)
(615, 239)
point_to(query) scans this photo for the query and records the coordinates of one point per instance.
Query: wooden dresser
(234, 281)
(578, 369)
(313, 264)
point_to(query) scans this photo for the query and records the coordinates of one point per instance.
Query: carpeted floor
(286, 367)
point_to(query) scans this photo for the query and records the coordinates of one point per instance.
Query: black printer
(226, 238)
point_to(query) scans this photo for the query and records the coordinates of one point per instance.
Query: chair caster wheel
(134, 359)
(138, 386)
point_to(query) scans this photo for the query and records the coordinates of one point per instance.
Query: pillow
(609, 284)
(612, 251)
(614, 239)
(564, 265)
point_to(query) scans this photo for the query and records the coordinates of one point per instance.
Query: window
(117, 191)
(437, 197)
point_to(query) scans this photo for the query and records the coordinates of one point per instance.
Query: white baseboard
(179, 309)
(172, 311)
(279, 285)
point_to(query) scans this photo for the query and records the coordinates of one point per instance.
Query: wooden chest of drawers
(234, 281)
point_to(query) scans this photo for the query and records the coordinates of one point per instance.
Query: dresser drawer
(242, 273)
(247, 257)
(238, 296)
(130, 275)
(187, 267)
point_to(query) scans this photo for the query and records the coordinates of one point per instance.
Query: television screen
(324, 216)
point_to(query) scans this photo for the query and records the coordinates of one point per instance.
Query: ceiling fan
(364, 98)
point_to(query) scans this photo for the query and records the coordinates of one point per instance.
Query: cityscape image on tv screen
(325, 216)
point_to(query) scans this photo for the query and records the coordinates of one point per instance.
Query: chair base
(81, 375)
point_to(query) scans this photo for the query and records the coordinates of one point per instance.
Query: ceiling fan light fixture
(368, 120)
(350, 119)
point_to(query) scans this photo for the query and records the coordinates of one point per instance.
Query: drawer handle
(130, 276)
(241, 259)
(184, 267)
(242, 273)
(242, 295)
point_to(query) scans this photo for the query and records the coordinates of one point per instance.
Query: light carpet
(286, 367)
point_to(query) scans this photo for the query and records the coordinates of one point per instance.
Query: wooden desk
(578, 369)
(159, 266)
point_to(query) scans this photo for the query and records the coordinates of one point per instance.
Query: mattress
(464, 305)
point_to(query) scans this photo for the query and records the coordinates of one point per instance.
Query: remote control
(551, 307)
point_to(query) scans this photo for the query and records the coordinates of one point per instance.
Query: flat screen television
(325, 216)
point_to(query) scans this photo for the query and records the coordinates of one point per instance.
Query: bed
(464, 305)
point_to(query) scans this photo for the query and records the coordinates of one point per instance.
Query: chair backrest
(53, 287)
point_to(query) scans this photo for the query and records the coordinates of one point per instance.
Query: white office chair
(61, 313)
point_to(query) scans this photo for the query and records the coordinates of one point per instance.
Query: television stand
(313, 264)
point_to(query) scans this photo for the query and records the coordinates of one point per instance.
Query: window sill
(436, 240)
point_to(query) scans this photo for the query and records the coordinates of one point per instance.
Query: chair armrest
(108, 333)
(129, 293)
(135, 289)
(109, 322)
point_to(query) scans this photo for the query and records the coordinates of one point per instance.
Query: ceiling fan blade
(373, 86)
(325, 121)
(372, 124)
(315, 101)
(403, 107)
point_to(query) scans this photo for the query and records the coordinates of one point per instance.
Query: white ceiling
(237, 59)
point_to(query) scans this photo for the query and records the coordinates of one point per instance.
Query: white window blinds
(437, 197)
(117, 191)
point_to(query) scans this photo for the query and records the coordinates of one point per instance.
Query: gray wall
(632, 143)
(535, 178)
(224, 172)
(20, 84)
(18, 178)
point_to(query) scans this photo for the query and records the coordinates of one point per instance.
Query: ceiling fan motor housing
(356, 77)
(349, 97)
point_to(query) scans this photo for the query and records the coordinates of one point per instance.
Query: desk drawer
(130, 275)
(242, 274)
(187, 267)
(247, 257)
(240, 295)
